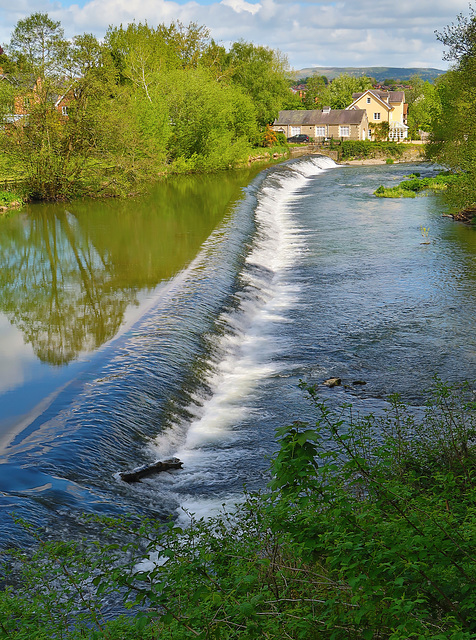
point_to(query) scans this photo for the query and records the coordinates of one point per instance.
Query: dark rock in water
(359, 382)
(332, 382)
(150, 469)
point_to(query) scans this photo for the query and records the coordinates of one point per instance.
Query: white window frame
(344, 131)
(368, 99)
(64, 111)
(320, 132)
(377, 115)
(295, 131)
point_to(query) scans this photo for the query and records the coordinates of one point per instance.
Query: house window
(377, 116)
(295, 131)
(344, 132)
(26, 103)
(368, 100)
(64, 111)
(320, 132)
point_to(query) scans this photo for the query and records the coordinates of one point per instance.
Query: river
(180, 323)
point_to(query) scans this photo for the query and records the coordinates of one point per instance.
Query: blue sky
(311, 33)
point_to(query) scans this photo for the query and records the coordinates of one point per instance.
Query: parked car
(301, 137)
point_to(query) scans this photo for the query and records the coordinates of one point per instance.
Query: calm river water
(181, 323)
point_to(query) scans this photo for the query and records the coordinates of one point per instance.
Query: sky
(311, 33)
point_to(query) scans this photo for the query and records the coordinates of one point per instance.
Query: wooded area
(101, 116)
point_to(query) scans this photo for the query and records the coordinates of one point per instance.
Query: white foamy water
(246, 350)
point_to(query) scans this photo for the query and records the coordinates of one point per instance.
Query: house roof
(386, 96)
(317, 117)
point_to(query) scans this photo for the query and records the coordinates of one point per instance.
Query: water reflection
(68, 274)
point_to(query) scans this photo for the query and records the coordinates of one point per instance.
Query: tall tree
(317, 92)
(342, 88)
(262, 73)
(453, 136)
(41, 41)
(424, 106)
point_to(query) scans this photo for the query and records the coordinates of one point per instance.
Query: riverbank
(9, 200)
(383, 160)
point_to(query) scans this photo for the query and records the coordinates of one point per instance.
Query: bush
(368, 149)
(9, 198)
(368, 531)
(414, 184)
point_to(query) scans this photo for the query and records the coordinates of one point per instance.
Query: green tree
(40, 41)
(211, 122)
(342, 88)
(317, 92)
(262, 73)
(453, 137)
(7, 97)
(424, 106)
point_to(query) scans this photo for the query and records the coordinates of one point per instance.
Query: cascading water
(308, 276)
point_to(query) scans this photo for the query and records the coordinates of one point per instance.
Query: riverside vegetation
(368, 530)
(447, 111)
(103, 116)
(415, 184)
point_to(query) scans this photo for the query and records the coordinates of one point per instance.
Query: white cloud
(242, 5)
(310, 32)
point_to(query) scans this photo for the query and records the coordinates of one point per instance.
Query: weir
(304, 275)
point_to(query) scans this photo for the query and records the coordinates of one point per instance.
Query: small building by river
(320, 124)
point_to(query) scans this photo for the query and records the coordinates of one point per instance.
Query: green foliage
(342, 88)
(9, 198)
(368, 531)
(380, 131)
(424, 106)
(453, 141)
(414, 184)
(316, 92)
(38, 41)
(211, 123)
(146, 101)
(336, 94)
(261, 72)
(369, 149)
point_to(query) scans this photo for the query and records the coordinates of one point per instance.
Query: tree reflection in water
(68, 273)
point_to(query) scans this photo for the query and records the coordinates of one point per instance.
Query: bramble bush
(368, 531)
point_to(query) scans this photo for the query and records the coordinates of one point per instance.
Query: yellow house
(383, 106)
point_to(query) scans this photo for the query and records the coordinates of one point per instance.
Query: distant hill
(379, 73)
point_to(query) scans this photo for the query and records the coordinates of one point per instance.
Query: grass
(414, 184)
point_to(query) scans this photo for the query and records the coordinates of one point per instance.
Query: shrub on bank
(9, 199)
(368, 531)
(367, 149)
